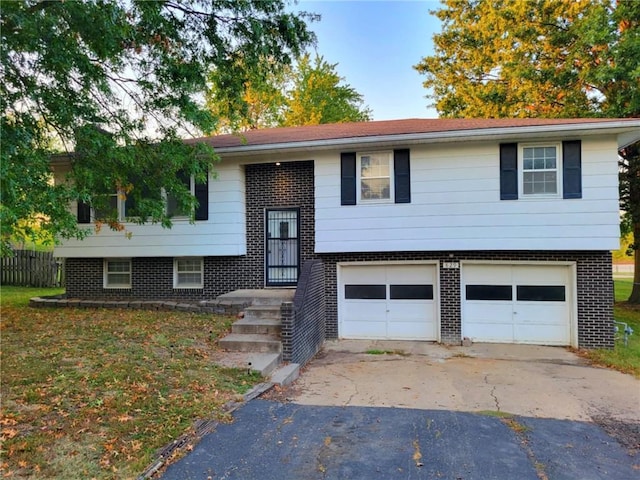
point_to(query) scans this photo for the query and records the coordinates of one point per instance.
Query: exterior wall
(594, 288)
(455, 205)
(224, 233)
(267, 185)
(303, 320)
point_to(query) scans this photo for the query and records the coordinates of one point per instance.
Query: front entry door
(282, 247)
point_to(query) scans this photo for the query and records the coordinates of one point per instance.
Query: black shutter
(402, 176)
(571, 169)
(348, 178)
(508, 171)
(202, 195)
(84, 212)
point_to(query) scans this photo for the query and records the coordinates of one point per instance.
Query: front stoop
(258, 333)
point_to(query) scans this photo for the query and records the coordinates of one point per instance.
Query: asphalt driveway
(273, 440)
(410, 410)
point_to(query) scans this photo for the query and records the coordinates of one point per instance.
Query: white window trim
(559, 168)
(176, 285)
(361, 200)
(105, 272)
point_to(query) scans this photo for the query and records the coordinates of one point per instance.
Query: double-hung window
(544, 170)
(173, 208)
(540, 170)
(375, 176)
(117, 273)
(188, 272)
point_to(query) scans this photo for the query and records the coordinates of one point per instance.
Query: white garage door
(517, 303)
(394, 302)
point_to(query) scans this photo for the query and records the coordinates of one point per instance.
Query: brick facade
(594, 288)
(303, 320)
(290, 184)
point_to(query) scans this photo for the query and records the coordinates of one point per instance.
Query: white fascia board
(628, 131)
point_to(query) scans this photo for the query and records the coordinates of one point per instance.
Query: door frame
(267, 282)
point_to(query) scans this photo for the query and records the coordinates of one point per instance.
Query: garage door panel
(403, 330)
(549, 335)
(541, 275)
(490, 332)
(408, 274)
(355, 274)
(364, 329)
(488, 312)
(537, 310)
(364, 311)
(406, 309)
(413, 311)
(495, 274)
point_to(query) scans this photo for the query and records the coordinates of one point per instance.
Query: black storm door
(282, 247)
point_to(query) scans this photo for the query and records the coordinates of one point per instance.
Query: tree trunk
(635, 292)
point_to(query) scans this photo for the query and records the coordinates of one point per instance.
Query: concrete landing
(270, 296)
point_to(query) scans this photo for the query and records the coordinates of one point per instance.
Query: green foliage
(309, 93)
(317, 96)
(73, 71)
(543, 58)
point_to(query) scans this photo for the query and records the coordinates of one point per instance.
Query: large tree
(310, 92)
(118, 82)
(543, 58)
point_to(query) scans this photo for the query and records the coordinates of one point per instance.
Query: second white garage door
(394, 302)
(517, 303)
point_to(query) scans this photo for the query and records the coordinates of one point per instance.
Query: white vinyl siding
(117, 273)
(224, 233)
(188, 272)
(455, 205)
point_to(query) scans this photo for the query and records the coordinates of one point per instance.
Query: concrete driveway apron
(422, 411)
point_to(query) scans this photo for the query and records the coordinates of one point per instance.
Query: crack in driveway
(492, 393)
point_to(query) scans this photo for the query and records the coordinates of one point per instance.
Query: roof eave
(627, 131)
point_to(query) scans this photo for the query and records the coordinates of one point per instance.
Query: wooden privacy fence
(32, 269)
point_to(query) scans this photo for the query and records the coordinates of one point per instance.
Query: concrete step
(260, 326)
(271, 312)
(269, 296)
(262, 363)
(242, 342)
(286, 374)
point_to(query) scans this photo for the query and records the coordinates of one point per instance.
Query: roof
(339, 132)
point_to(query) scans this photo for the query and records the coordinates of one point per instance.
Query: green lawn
(623, 358)
(94, 393)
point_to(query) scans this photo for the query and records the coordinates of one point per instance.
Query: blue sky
(375, 44)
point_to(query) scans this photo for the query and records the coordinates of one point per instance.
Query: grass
(623, 358)
(94, 393)
(375, 351)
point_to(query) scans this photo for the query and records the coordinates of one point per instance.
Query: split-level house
(439, 229)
